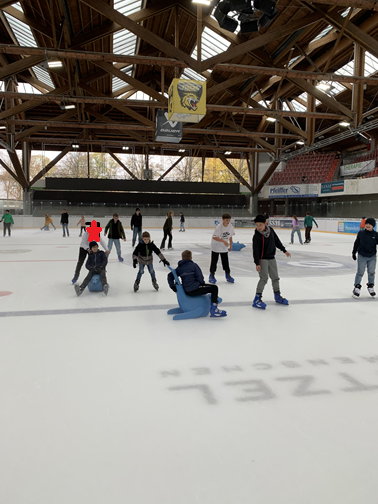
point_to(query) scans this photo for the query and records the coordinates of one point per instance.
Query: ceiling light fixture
(271, 119)
(229, 13)
(2, 127)
(125, 147)
(75, 146)
(323, 86)
(54, 64)
(227, 153)
(68, 107)
(300, 142)
(181, 150)
(201, 2)
(344, 124)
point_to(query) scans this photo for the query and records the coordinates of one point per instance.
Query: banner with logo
(332, 187)
(357, 168)
(348, 227)
(294, 191)
(166, 130)
(187, 100)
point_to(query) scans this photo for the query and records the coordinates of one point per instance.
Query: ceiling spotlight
(68, 107)
(2, 127)
(227, 153)
(181, 150)
(344, 124)
(75, 146)
(271, 119)
(239, 5)
(300, 142)
(249, 26)
(361, 138)
(267, 7)
(125, 148)
(201, 2)
(224, 21)
(54, 64)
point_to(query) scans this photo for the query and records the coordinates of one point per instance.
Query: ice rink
(108, 400)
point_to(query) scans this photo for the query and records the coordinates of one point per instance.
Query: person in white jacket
(84, 249)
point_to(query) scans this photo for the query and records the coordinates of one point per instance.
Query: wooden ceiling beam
(50, 165)
(36, 129)
(140, 31)
(360, 4)
(19, 66)
(39, 25)
(107, 120)
(236, 174)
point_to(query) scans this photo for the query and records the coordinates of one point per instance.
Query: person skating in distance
(365, 245)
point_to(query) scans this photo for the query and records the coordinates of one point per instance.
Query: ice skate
(371, 291)
(120, 258)
(356, 291)
(216, 312)
(136, 285)
(78, 290)
(106, 289)
(212, 279)
(258, 303)
(229, 278)
(279, 299)
(155, 284)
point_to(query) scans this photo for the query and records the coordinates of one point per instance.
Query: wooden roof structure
(118, 58)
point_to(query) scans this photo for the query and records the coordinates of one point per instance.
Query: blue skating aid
(189, 307)
(95, 284)
(237, 246)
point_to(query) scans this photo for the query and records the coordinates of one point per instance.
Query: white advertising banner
(294, 191)
(357, 168)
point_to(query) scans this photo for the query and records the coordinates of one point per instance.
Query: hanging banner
(187, 100)
(332, 187)
(294, 191)
(357, 168)
(166, 130)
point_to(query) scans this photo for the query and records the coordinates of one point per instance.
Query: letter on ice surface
(204, 389)
(304, 383)
(261, 389)
(358, 386)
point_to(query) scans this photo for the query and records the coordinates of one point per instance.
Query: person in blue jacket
(194, 284)
(365, 246)
(96, 264)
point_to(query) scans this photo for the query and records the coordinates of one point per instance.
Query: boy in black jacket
(96, 264)
(136, 226)
(365, 246)
(143, 255)
(264, 245)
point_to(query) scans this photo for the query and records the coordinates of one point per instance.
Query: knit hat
(137, 209)
(92, 244)
(371, 221)
(260, 218)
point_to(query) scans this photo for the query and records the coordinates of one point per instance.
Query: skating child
(365, 246)
(48, 221)
(182, 221)
(193, 283)
(143, 255)
(220, 242)
(308, 226)
(96, 264)
(136, 226)
(167, 230)
(82, 224)
(84, 250)
(116, 232)
(8, 220)
(264, 244)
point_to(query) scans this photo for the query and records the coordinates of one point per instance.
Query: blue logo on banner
(295, 189)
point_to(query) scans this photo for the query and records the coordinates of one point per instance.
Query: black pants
(94, 271)
(169, 235)
(7, 225)
(82, 228)
(205, 289)
(308, 233)
(82, 256)
(214, 262)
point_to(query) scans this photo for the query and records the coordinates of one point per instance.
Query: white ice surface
(125, 405)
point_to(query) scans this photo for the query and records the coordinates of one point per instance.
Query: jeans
(214, 262)
(150, 268)
(117, 245)
(205, 289)
(182, 227)
(363, 263)
(65, 228)
(297, 230)
(82, 256)
(268, 269)
(137, 232)
(308, 233)
(82, 228)
(169, 235)
(7, 225)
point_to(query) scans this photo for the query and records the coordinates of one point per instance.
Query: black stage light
(249, 26)
(266, 6)
(264, 20)
(224, 21)
(246, 15)
(239, 5)
(362, 139)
